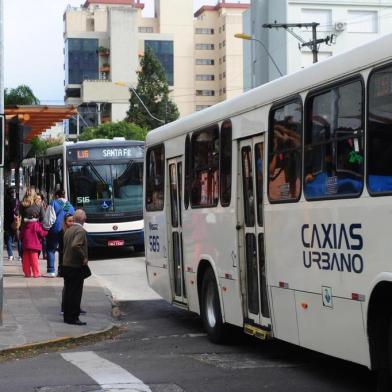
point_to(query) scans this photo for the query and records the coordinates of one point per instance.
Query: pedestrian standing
(29, 207)
(31, 235)
(60, 206)
(75, 259)
(11, 222)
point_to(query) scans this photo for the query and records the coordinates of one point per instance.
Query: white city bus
(105, 178)
(273, 211)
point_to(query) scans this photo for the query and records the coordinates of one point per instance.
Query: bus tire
(211, 313)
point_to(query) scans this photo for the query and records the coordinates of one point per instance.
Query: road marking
(109, 376)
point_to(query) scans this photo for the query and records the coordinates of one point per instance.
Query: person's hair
(60, 193)
(29, 198)
(80, 216)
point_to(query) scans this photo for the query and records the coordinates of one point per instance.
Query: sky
(34, 44)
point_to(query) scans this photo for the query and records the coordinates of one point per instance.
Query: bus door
(176, 261)
(251, 231)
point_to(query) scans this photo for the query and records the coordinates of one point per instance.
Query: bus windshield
(107, 188)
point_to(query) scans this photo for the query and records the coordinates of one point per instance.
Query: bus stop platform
(32, 310)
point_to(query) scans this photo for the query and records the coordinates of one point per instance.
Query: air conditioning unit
(340, 26)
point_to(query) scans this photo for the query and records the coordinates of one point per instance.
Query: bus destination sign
(88, 154)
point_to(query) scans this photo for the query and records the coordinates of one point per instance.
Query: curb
(17, 351)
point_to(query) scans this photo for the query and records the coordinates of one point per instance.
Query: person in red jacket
(31, 235)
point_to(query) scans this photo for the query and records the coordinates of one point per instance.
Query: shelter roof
(39, 118)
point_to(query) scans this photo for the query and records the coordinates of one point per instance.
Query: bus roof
(350, 62)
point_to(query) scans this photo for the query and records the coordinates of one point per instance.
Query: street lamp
(122, 84)
(250, 38)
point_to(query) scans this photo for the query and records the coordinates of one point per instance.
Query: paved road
(166, 350)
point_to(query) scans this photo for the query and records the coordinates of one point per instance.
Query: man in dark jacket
(75, 256)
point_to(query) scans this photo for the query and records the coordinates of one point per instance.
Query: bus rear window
(155, 176)
(380, 132)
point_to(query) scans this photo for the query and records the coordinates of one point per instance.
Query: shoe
(19, 258)
(62, 312)
(10, 258)
(76, 322)
(50, 275)
(82, 311)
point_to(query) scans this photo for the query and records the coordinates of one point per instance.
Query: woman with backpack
(58, 207)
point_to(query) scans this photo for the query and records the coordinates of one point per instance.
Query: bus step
(257, 332)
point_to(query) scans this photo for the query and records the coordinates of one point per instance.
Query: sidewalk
(31, 310)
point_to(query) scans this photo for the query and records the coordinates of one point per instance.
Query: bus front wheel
(210, 310)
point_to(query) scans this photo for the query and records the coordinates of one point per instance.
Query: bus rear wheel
(211, 313)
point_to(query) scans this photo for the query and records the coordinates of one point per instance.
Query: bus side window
(225, 163)
(188, 173)
(380, 132)
(284, 152)
(334, 156)
(155, 176)
(205, 166)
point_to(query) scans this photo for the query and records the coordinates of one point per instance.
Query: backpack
(49, 218)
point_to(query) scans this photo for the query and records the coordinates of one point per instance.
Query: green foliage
(115, 129)
(39, 145)
(21, 95)
(153, 90)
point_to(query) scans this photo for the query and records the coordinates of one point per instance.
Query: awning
(39, 118)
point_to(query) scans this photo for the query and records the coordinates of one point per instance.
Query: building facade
(351, 22)
(104, 40)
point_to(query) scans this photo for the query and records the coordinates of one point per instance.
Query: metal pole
(1, 168)
(99, 112)
(77, 127)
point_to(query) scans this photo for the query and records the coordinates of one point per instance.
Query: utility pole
(313, 44)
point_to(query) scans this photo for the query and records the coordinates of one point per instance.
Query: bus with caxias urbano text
(273, 211)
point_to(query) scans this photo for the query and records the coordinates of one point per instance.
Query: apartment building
(218, 55)
(104, 40)
(351, 22)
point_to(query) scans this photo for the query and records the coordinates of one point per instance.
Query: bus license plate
(116, 243)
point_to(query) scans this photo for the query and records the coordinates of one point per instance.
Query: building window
(155, 178)
(204, 46)
(362, 22)
(205, 93)
(205, 167)
(205, 62)
(220, 76)
(224, 75)
(220, 45)
(333, 153)
(163, 50)
(224, 90)
(82, 60)
(204, 31)
(205, 77)
(224, 27)
(379, 143)
(224, 59)
(146, 29)
(201, 107)
(90, 24)
(225, 163)
(284, 152)
(224, 43)
(220, 60)
(324, 17)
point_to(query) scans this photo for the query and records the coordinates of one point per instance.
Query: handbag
(86, 271)
(15, 225)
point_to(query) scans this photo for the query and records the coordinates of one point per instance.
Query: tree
(153, 90)
(39, 145)
(115, 129)
(21, 95)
